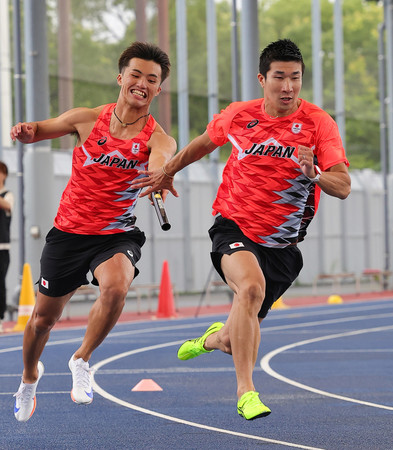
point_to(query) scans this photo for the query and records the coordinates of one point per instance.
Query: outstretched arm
(77, 120)
(162, 177)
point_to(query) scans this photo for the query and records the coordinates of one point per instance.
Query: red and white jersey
(263, 189)
(99, 198)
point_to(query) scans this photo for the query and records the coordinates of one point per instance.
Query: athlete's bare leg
(114, 277)
(241, 334)
(220, 339)
(46, 313)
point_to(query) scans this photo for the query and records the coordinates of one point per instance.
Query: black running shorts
(280, 266)
(67, 258)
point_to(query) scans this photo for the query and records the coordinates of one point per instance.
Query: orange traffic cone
(26, 299)
(166, 304)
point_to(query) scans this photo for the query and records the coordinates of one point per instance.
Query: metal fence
(345, 236)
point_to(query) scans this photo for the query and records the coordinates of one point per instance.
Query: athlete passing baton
(284, 152)
(94, 229)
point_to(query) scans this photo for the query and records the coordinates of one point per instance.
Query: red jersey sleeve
(329, 147)
(218, 128)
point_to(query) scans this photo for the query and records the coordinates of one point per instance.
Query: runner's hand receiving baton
(155, 180)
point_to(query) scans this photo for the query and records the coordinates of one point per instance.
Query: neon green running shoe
(194, 347)
(250, 406)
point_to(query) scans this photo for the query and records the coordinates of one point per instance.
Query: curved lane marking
(121, 402)
(265, 365)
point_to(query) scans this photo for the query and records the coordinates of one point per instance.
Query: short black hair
(281, 50)
(148, 52)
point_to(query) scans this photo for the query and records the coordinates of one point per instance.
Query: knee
(114, 295)
(252, 294)
(42, 323)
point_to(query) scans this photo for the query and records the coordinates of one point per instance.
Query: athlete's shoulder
(158, 128)
(315, 112)
(160, 134)
(241, 108)
(103, 109)
(236, 107)
(83, 114)
(107, 106)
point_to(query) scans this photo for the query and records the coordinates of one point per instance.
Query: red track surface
(290, 302)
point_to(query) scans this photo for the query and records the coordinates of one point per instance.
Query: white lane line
(326, 310)
(116, 334)
(39, 393)
(357, 350)
(121, 402)
(265, 365)
(326, 322)
(202, 324)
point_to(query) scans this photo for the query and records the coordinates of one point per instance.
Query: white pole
(5, 76)
(250, 50)
(317, 54)
(184, 130)
(212, 80)
(388, 13)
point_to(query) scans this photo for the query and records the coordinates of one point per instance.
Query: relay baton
(160, 210)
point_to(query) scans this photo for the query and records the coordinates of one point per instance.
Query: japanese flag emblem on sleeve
(236, 245)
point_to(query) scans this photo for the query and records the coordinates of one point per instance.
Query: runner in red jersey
(102, 170)
(284, 151)
(263, 189)
(94, 229)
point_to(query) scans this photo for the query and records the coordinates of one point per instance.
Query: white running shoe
(82, 392)
(25, 402)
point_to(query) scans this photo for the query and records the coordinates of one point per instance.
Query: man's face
(281, 86)
(140, 82)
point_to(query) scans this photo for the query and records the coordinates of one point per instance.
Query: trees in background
(101, 29)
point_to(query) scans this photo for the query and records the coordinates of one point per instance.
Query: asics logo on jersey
(102, 141)
(253, 123)
(270, 150)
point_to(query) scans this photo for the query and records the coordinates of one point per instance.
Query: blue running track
(326, 372)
